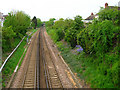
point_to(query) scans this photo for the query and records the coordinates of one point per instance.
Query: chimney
(106, 5)
(91, 13)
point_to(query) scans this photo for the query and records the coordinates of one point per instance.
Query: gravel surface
(64, 73)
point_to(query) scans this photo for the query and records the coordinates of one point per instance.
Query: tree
(7, 38)
(72, 29)
(34, 21)
(59, 24)
(68, 23)
(39, 23)
(78, 23)
(50, 22)
(19, 22)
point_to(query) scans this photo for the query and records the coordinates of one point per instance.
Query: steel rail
(38, 62)
(52, 62)
(43, 59)
(28, 64)
(78, 85)
(51, 59)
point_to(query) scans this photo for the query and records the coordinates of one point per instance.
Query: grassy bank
(13, 61)
(97, 70)
(87, 69)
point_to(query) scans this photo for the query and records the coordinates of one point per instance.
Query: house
(92, 16)
(1, 19)
(112, 7)
(89, 19)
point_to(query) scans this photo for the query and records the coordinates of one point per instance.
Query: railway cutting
(43, 67)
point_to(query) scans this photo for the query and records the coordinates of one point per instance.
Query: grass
(5, 54)
(12, 62)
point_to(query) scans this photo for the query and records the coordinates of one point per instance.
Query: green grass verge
(12, 62)
(5, 54)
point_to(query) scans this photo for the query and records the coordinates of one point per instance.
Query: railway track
(51, 75)
(39, 69)
(29, 71)
(31, 76)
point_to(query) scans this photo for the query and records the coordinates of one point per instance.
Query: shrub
(70, 37)
(7, 38)
(98, 37)
(110, 14)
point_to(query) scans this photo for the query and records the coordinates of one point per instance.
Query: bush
(39, 23)
(99, 37)
(7, 38)
(70, 37)
(110, 14)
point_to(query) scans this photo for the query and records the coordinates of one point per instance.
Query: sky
(46, 9)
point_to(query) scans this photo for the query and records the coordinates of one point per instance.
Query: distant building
(89, 19)
(92, 16)
(1, 19)
(112, 7)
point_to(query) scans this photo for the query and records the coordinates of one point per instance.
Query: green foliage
(55, 34)
(110, 14)
(19, 22)
(99, 37)
(99, 64)
(7, 38)
(34, 22)
(97, 74)
(59, 24)
(78, 23)
(15, 26)
(71, 32)
(50, 22)
(11, 64)
(39, 23)
(68, 23)
(67, 29)
(70, 37)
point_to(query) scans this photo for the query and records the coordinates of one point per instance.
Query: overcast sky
(46, 9)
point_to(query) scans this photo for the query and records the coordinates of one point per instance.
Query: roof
(91, 17)
(112, 7)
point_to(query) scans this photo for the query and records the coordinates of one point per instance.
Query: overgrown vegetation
(15, 26)
(13, 61)
(11, 64)
(99, 63)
